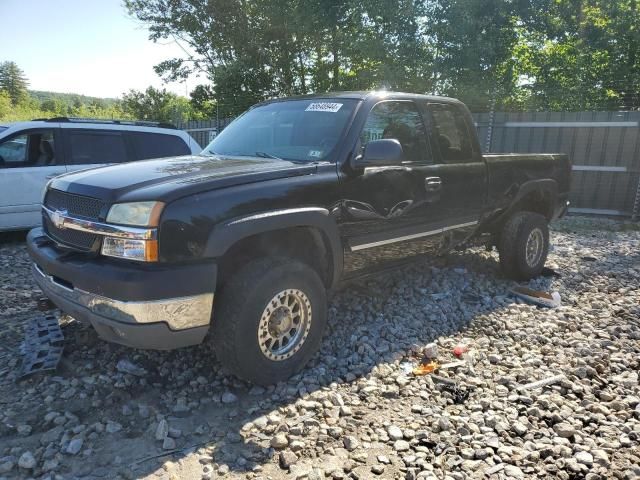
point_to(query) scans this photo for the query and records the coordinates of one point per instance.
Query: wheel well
(307, 244)
(538, 201)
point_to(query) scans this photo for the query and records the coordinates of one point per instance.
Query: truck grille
(75, 205)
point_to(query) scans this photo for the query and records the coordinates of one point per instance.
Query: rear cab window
(450, 134)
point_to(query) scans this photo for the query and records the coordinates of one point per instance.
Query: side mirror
(380, 153)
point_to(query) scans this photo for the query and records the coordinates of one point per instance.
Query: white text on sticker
(323, 107)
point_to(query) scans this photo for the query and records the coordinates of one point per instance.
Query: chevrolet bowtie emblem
(57, 218)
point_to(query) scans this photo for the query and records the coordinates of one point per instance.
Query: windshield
(302, 130)
(2, 128)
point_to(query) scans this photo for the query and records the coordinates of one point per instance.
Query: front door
(387, 212)
(27, 161)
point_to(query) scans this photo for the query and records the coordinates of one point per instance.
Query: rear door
(459, 175)
(90, 147)
(28, 159)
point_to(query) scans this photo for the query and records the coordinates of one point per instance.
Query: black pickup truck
(294, 197)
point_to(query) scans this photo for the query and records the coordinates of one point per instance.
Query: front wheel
(524, 245)
(269, 319)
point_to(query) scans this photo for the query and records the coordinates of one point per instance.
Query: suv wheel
(524, 245)
(269, 319)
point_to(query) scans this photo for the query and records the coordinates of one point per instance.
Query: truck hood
(165, 179)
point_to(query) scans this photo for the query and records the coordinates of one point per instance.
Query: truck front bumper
(143, 306)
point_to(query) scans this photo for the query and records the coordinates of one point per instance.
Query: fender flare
(229, 232)
(546, 185)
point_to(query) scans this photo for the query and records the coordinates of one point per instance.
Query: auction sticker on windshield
(323, 107)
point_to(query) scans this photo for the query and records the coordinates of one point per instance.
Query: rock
(74, 446)
(7, 464)
(395, 433)
(383, 459)
(444, 424)
(430, 350)
(168, 444)
(511, 471)
(350, 443)
(585, 458)
(401, 446)
(287, 459)
(564, 430)
(24, 430)
(377, 469)
(296, 445)
(279, 441)
(600, 456)
(113, 427)
(126, 366)
(27, 461)
(162, 430)
(228, 397)
(50, 464)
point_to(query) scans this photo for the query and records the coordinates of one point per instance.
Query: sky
(90, 47)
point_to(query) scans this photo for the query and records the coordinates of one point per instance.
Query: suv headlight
(138, 214)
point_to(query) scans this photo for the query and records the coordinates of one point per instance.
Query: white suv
(33, 152)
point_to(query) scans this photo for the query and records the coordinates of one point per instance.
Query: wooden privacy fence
(603, 146)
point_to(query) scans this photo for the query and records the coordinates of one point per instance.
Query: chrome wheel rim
(535, 247)
(284, 324)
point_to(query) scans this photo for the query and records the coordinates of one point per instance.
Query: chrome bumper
(178, 313)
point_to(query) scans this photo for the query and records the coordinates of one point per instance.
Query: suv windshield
(302, 130)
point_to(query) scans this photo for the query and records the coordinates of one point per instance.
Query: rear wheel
(269, 319)
(524, 245)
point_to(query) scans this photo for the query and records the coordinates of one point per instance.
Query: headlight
(141, 250)
(139, 214)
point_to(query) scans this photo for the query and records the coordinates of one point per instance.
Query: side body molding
(224, 235)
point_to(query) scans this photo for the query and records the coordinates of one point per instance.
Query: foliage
(13, 81)
(158, 105)
(526, 54)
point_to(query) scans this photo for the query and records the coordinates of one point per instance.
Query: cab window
(401, 121)
(450, 134)
(32, 149)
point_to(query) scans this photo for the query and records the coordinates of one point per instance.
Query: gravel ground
(356, 412)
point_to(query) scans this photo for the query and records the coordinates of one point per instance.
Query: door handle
(432, 184)
(49, 177)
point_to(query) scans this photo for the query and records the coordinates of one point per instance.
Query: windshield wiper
(267, 155)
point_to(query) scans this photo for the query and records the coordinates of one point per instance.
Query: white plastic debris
(537, 297)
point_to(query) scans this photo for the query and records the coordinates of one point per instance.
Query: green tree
(255, 49)
(13, 81)
(156, 105)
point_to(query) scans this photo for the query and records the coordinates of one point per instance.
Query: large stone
(279, 441)
(74, 446)
(27, 461)
(287, 459)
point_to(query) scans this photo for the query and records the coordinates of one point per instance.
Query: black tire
(512, 247)
(240, 306)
